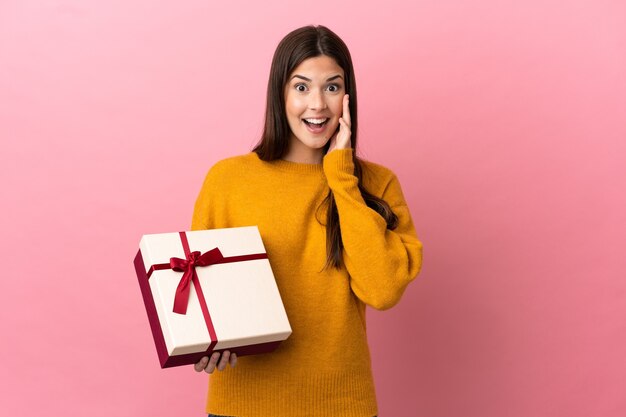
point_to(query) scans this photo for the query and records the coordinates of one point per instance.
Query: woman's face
(313, 101)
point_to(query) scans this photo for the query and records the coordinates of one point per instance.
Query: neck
(300, 153)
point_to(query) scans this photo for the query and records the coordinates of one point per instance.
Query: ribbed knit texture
(323, 368)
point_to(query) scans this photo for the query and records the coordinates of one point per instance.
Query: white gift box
(234, 304)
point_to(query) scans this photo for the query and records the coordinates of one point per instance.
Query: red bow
(188, 267)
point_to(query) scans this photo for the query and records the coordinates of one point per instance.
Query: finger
(201, 364)
(345, 124)
(224, 360)
(346, 110)
(233, 359)
(212, 363)
(346, 130)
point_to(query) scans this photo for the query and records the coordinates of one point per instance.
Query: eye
(300, 87)
(333, 88)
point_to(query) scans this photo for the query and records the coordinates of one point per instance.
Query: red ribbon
(188, 267)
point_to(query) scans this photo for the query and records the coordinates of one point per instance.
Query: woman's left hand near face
(341, 138)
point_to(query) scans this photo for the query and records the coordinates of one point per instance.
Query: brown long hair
(299, 45)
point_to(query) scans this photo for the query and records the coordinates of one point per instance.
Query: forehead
(319, 67)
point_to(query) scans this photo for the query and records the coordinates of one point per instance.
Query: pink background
(503, 120)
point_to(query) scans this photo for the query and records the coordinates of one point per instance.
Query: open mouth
(316, 125)
(315, 122)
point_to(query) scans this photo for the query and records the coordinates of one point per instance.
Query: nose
(317, 101)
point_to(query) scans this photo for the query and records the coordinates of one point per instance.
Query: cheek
(337, 107)
(294, 107)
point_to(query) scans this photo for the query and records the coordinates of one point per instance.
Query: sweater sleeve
(201, 212)
(380, 262)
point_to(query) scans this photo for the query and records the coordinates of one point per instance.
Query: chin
(319, 144)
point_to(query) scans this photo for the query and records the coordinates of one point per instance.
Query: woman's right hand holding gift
(209, 365)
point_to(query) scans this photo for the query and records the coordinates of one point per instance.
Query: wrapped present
(207, 291)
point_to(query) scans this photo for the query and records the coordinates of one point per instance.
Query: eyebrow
(309, 80)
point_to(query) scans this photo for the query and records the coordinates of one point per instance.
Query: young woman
(337, 231)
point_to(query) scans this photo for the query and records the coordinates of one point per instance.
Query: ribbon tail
(181, 299)
(214, 256)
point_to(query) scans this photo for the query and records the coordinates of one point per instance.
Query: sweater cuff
(339, 160)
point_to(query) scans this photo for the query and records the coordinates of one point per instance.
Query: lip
(316, 131)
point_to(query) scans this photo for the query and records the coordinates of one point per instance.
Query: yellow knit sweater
(323, 368)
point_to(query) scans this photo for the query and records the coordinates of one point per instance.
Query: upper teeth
(316, 121)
